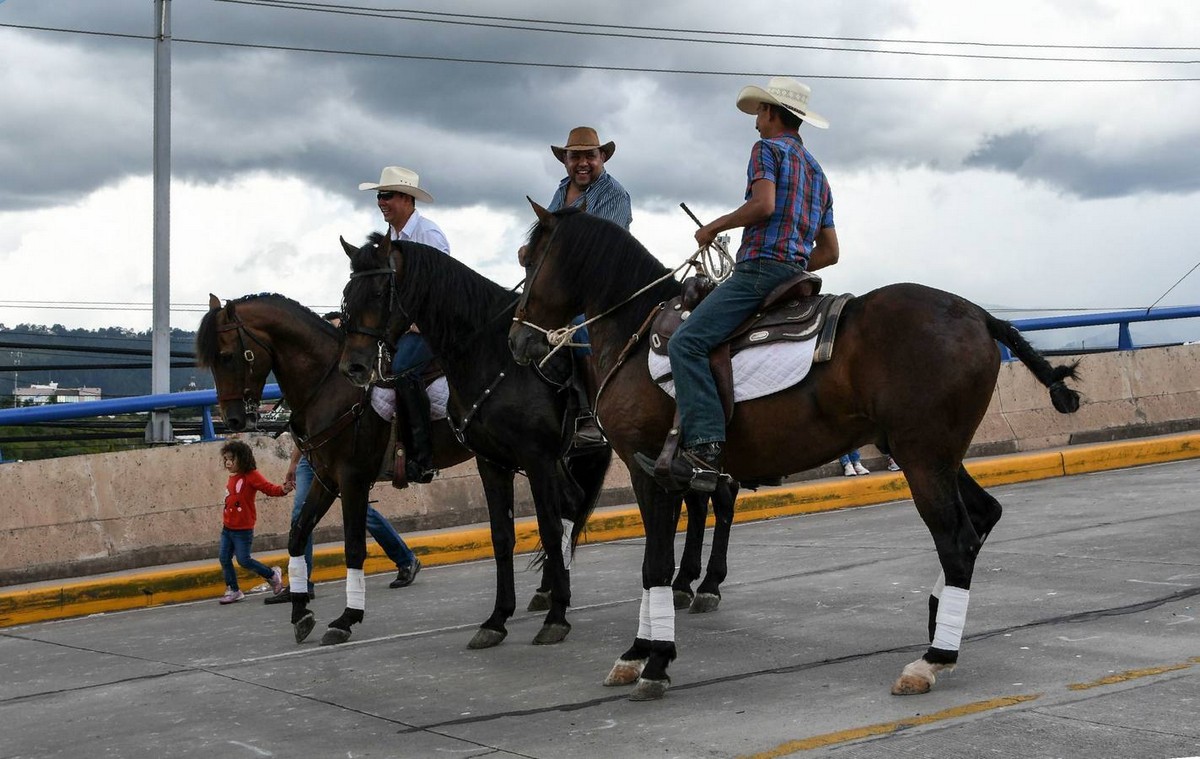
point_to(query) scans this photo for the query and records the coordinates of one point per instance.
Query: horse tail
(588, 470)
(1065, 400)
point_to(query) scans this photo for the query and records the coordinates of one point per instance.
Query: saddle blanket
(383, 400)
(758, 371)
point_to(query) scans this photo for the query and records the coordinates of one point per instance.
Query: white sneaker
(276, 580)
(892, 465)
(231, 596)
(860, 469)
(848, 470)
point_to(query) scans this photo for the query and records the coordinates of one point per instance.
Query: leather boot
(587, 431)
(695, 468)
(419, 460)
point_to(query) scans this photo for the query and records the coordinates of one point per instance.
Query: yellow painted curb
(156, 587)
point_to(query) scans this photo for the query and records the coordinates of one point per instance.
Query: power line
(626, 69)
(491, 22)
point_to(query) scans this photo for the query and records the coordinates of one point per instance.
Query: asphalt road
(1081, 641)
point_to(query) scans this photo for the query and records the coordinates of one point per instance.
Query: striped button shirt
(803, 201)
(605, 198)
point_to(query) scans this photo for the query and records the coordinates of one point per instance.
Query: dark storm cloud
(478, 133)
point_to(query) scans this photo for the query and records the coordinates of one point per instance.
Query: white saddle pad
(757, 371)
(383, 400)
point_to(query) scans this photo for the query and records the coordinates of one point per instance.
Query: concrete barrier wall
(89, 514)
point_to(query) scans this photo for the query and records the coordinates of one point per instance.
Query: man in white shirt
(397, 193)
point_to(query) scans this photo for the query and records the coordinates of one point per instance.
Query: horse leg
(316, 504)
(693, 549)
(354, 526)
(985, 512)
(540, 601)
(708, 595)
(555, 496)
(942, 508)
(653, 648)
(498, 489)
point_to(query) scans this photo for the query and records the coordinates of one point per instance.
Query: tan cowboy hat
(783, 91)
(399, 179)
(584, 138)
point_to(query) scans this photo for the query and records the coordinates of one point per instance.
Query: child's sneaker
(860, 469)
(231, 596)
(892, 465)
(848, 470)
(276, 580)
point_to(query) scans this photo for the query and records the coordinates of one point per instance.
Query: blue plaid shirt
(605, 198)
(803, 201)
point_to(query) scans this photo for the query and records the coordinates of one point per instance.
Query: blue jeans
(412, 354)
(734, 300)
(238, 543)
(377, 524)
(850, 458)
(581, 336)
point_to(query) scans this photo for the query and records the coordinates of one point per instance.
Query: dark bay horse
(913, 371)
(331, 420)
(510, 416)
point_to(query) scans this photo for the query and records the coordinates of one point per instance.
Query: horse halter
(380, 335)
(248, 397)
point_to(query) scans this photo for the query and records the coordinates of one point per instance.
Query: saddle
(793, 311)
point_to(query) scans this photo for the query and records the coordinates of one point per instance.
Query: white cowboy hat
(399, 179)
(584, 138)
(785, 92)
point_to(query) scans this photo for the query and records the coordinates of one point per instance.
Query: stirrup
(686, 472)
(587, 432)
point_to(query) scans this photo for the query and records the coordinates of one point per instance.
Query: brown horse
(912, 371)
(331, 420)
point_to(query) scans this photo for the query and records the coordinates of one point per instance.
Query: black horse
(331, 420)
(913, 371)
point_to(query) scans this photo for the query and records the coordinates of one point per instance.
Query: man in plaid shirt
(788, 220)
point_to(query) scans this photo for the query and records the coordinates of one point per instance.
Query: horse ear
(214, 302)
(350, 249)
(544, 216)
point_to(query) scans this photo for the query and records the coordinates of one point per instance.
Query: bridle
(382, 336)
(248, 397)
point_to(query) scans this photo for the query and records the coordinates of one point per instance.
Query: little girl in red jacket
(237, 536)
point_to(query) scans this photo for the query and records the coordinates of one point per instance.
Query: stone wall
(88, 514)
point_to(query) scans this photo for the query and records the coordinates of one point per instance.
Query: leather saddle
(794, 311)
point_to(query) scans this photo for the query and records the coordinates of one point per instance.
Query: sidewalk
(60, 599)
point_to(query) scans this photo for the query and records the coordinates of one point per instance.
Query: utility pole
(159, 429)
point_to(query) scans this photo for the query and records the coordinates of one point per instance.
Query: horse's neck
(302, 356)
(468, 356)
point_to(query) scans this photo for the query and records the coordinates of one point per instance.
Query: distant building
(40, 395)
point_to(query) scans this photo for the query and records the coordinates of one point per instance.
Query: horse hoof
(551, 634)
(539, 602)
(334, 636)
(625, 672)
(918, 677)
(910, 686)
(649, 690)
(304, 626)
(704, 602)
(683, 599)
(487, 638)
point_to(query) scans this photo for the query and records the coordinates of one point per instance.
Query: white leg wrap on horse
(356, 589)
(297, 574)
(662, 613)
(567, 526)
(951, 618)
(939, 585)
(644, 617)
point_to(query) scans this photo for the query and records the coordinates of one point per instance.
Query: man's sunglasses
(385, 195)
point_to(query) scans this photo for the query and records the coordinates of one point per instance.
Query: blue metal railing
(1120, 318)
(205, 399)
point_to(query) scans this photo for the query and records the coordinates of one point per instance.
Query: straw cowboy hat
(584, 138)
(785, 92)
(399, 179)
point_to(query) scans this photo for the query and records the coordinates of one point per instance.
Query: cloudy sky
(964, 152)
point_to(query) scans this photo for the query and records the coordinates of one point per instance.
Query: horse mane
(456, 300)
(206, 336)
(603, 259)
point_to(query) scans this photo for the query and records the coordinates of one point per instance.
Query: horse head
(240, 362)
(374, 318)
(541, 306)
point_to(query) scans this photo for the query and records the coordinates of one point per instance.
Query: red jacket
(239, 503)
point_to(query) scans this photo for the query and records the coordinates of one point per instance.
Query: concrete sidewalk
(191, 581)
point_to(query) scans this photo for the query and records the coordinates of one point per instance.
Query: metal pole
(159, 429)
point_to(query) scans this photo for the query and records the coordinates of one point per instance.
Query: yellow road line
(883, 728)
(1132, 674)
